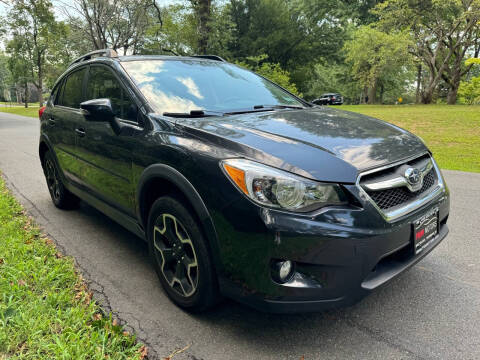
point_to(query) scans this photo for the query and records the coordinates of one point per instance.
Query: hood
(321, 143)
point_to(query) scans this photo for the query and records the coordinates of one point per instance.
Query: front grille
(389, 198)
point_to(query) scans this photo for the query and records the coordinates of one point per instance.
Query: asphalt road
(430, 312)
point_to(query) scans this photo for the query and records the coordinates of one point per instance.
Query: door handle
(80, 132)
(51, 121)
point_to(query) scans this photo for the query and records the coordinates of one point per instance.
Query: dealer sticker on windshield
(425, 229)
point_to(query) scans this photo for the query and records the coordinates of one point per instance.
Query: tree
(202, 10)
(469, 91)
(6, 80)
(117, 24)
(337, 77)
(375, 57)
(32, 24)
(444, 32)
(295, 34)
(270, 71)
(360, 11)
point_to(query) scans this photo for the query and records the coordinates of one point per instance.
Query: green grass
(46, 310)
(31, 111)
(451, 132)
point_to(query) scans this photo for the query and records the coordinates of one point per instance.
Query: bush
(469, 91)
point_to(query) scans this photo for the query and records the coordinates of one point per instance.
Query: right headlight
(280, 189)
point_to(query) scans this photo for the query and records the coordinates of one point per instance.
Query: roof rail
(103, 52)
(211, 57)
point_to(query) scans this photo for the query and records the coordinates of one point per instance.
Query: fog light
(282, 270)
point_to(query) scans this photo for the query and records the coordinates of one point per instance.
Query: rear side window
(102, 83)
(72, 90)
(54, 97)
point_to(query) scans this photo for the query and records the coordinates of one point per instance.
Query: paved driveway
(430, 312)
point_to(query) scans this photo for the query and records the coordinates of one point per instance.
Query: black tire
(61, 197)
(180, 255)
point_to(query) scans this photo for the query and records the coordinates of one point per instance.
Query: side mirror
(98, 110)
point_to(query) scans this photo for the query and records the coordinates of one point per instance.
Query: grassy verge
(31, 111)
(451, 132)
(46, 311)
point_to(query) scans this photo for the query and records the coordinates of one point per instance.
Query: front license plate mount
(425, 229)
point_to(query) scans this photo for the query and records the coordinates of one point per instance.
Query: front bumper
(341, 254)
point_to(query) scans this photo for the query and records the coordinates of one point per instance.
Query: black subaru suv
(240, 188)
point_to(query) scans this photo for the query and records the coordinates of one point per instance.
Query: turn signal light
(238, 176)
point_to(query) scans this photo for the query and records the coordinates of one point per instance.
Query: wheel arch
(160, 180)
(43, 147)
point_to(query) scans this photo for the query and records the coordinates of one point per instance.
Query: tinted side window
(55, 95)
(103, 84)
(72, 90)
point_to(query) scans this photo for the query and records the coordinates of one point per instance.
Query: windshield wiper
(278, 106)
(192, 114)
(259, 108)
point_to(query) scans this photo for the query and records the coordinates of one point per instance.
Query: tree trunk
(419, 83)
(453, 90)
(203, 9)
(372, 93)
(364, 96)
(26, 95)
(452, 95)
(40, 86)
(427, 93)
(18, 94)
(427, 96)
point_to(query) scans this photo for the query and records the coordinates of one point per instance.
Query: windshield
(184, 85)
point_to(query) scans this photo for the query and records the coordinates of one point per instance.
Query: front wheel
(180, 256)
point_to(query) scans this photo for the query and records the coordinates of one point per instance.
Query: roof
(168, 57)
(112, 55)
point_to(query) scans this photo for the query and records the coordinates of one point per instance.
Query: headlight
(280, 189)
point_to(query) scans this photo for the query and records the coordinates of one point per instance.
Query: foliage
(452, 133)
(332, 78)
(376, 57)
(469, 91)
(34, 42)
(271, 71)
(290, 33)
(5, 78)
(443, 32)
(46, 311)
(119, 24)
(472, 61)
(312, 41)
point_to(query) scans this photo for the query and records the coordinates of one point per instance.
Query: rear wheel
(180, 256)
(61, 197)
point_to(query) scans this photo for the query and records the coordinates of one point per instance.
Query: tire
(61, 197)
(180, 255)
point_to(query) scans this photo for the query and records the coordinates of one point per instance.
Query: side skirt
(121, 218)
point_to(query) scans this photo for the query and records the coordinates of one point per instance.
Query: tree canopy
(375, 49)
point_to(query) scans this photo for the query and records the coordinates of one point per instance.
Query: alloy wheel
(175, 253)
(52, 179)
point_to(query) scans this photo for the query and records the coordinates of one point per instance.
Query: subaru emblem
(413, 176)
